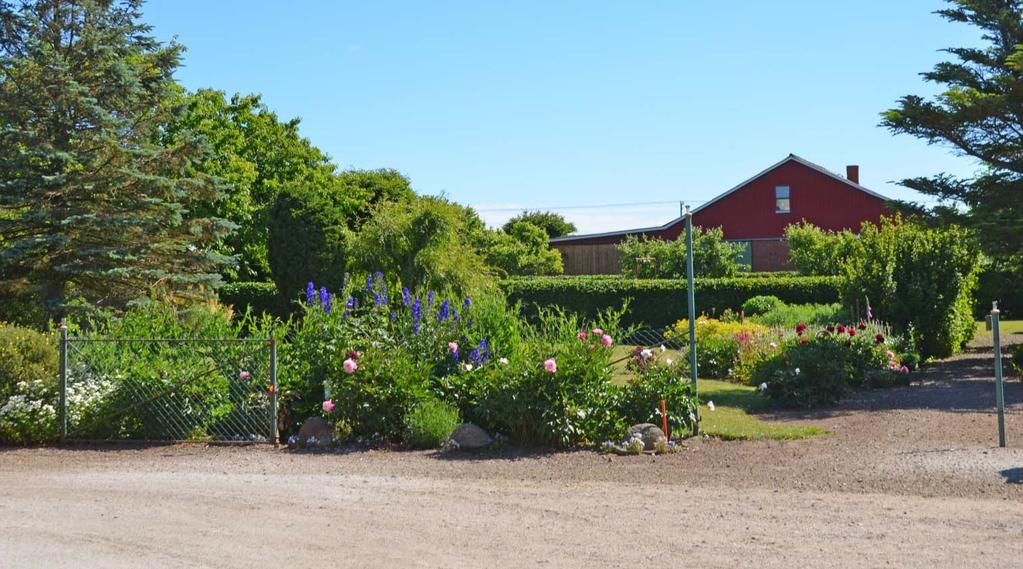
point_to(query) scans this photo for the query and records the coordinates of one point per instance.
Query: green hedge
(261, 298)
(662, 302)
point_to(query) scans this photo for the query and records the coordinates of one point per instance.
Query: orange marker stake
(664, 419)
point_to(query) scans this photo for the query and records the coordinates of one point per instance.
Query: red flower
(862, 326)
(831, 327)
(800, 328)
(354, 354)
(841, 328)
(852, 332)
(879, 338)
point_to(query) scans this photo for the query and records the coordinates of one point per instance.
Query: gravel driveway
(908, 477)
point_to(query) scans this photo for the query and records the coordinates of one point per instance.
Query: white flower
(763, 386)
(647, 354)
(503, 361)
(797, 371)
(669, 361)
(710, 405)
(468, 367)
(663, 349)
(773, 346)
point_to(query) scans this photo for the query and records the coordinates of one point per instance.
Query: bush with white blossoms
(30, 415)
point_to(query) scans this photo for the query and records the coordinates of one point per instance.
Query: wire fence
(168, 389)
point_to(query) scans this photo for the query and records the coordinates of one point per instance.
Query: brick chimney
(852, 172)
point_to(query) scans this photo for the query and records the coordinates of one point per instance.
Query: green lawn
(1005, 327)
(731, 418)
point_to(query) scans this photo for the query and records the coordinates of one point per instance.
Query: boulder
(315, 427)
(648, 432)
(468, 436)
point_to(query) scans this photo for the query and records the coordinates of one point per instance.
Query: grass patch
(1004, 327)
(731, 419)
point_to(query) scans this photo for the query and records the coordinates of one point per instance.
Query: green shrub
(641, 397)
(25, 355)
(786, 315)
(430, 423)
(255, 298)
(815, 368)
(713, 257)
(659, 303)
(308, 241)
(28, 379)
(816, 251)
(1002, 282)
(911, 275)
(760, 304)
(718, 343)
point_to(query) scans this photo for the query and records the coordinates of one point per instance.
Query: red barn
(754, 213)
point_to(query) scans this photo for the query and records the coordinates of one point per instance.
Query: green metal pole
(999, 392)
(62, 403)
(274, 437)
(691, 292)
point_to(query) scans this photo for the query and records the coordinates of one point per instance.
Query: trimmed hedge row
(261, 298)
(662, 302)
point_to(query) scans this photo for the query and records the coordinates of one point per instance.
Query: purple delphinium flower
(310, 293)
(326, 299)
(380, 277)
(445, 311)
(429, 299)
(406, 297)
(454, 355)
(417, 315)
(476, 358)
(466, 304)
(377, 298)
(369, 283)
(485, 349)
(394, 316)
(454, 315)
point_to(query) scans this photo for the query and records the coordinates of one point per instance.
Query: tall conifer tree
(92, 206)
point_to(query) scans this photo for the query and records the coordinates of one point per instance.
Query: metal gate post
(274, 438)
(691, 292)
(62, 404)
(999, 392)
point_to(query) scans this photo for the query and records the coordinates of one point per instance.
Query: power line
(594, 206)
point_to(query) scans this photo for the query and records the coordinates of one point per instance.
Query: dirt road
(907, 478)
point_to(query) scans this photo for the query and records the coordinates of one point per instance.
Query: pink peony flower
(597, 332)
(890, 354)
(328, 406)
(607, 341)
(244, 375)
(581, 335)
(904, 370)
(452, 347)
(550, 366)
(350, 366)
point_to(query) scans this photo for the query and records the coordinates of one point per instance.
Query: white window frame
(778, 197)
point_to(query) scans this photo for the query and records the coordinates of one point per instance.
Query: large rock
(468, 436)
(648, 432)
(318, 428)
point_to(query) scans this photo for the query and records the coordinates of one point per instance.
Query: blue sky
(550, 104)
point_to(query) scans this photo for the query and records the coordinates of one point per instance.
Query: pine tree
(92, 207)
(979, 115)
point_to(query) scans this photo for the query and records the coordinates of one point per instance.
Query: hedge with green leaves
(260, 297)
(662, 302)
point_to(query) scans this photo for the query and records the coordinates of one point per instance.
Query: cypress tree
(92, 207)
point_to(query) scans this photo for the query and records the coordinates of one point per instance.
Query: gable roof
(787, 159)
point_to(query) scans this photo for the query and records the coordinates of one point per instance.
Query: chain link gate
(168, 389)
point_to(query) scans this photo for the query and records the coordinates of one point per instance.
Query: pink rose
(598, 332)
(350, 366)
(890, 354)
(452, 347)
(328, 406)
(581, 335)
(607, 341)
(244, 375)
(550, 366)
